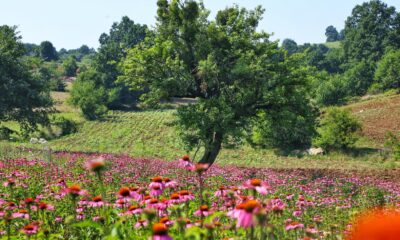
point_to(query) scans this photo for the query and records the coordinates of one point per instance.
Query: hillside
(379, 114)
(150, 134)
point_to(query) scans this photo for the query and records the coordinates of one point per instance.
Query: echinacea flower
(124, 193)
(258, 185)
(293, 226)
(75, 191)
(96, 165)
(96, 202)
(9, 183)
(204, 210)
(170, 183)
(245, 217)
(141, 223)
(21, 214)
(201, 167)
(30, 229)
(45, 206)
(156, 186)
(160, 232)
(185, 163)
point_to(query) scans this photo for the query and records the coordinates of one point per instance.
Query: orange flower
(376, 225)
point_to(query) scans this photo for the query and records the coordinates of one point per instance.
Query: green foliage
(332, 91)
(24, 96)
(5, 133)
(358, 77)
(235, 72)
(332, 35)
(67, 126)
(88, 96)
(47, 51)
(387, 74)
(393, 143)
(113, 48)
(290, 46)
(70, 67)
(339, 130)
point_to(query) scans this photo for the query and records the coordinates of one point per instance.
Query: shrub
(393, 143)
(5, 133)
(388, 72)
(332, 91)
(88, 96)
(67, 126)
(339, 130)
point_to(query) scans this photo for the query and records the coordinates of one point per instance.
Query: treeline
(366, 59)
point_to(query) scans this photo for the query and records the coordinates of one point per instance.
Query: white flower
(42, 141)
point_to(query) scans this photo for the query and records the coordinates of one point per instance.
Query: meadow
(104, 196)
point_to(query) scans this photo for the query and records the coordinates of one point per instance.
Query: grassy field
(150, 134)
(333, 44)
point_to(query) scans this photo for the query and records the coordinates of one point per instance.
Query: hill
(151, 134)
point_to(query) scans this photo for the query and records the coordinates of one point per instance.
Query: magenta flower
(203, 211)
(96, 202)
(293, 226)
(45, 206)
(156, 186)
(141, 223)
(21, 214)
(170, 183)
(185, 163)
(245, 218)
(30, 229)
(160, 232)
(258, 185)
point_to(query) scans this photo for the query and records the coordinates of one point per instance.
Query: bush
(393, 143)
(89, 97)
(67, 126)
(5, 133)
(387, 74)
(339, 130)
(332, 91)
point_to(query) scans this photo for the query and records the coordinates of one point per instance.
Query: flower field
(83, 196)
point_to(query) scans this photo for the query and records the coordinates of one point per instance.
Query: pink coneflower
(30, 229)
(276, 205)
(311, 230)
(96, 202)
(9, 183)
(21, 214)
(166, 221)
(124, 193)
(201, 167)
(186, 195)
(80, 216)
(221, 192)
(29, 201)
(245, 218)
(160, 232)
(157, 186)
(75, 191)
(297, 213)
(45, 206)
(61, 183)
(96, 165)
(133, 210)
(258, 185)
(204, 210)
(293, 226)
(58, 219)
(175, 198)
(185, 163)
(141, 223)
(170, 183)
(11, 206)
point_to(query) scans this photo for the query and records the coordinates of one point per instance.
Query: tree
(341, 35)
(48, 51)
(388, 72)
(88, 95)
(368, 31)
(331, 34)
(234, 72)
(24, 96)
(113, 48)
(339, 130)
(70, 66)
(290, 46)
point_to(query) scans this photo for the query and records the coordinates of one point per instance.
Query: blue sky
(71, 23)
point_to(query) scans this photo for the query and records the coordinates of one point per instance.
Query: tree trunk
(212, 150)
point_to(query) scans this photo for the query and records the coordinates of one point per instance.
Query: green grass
(150, 134)
(333, 44)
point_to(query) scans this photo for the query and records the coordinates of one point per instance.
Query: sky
(72, 23)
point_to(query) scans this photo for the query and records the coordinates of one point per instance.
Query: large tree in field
(331, 34)
(234, 71)
(24, 97)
